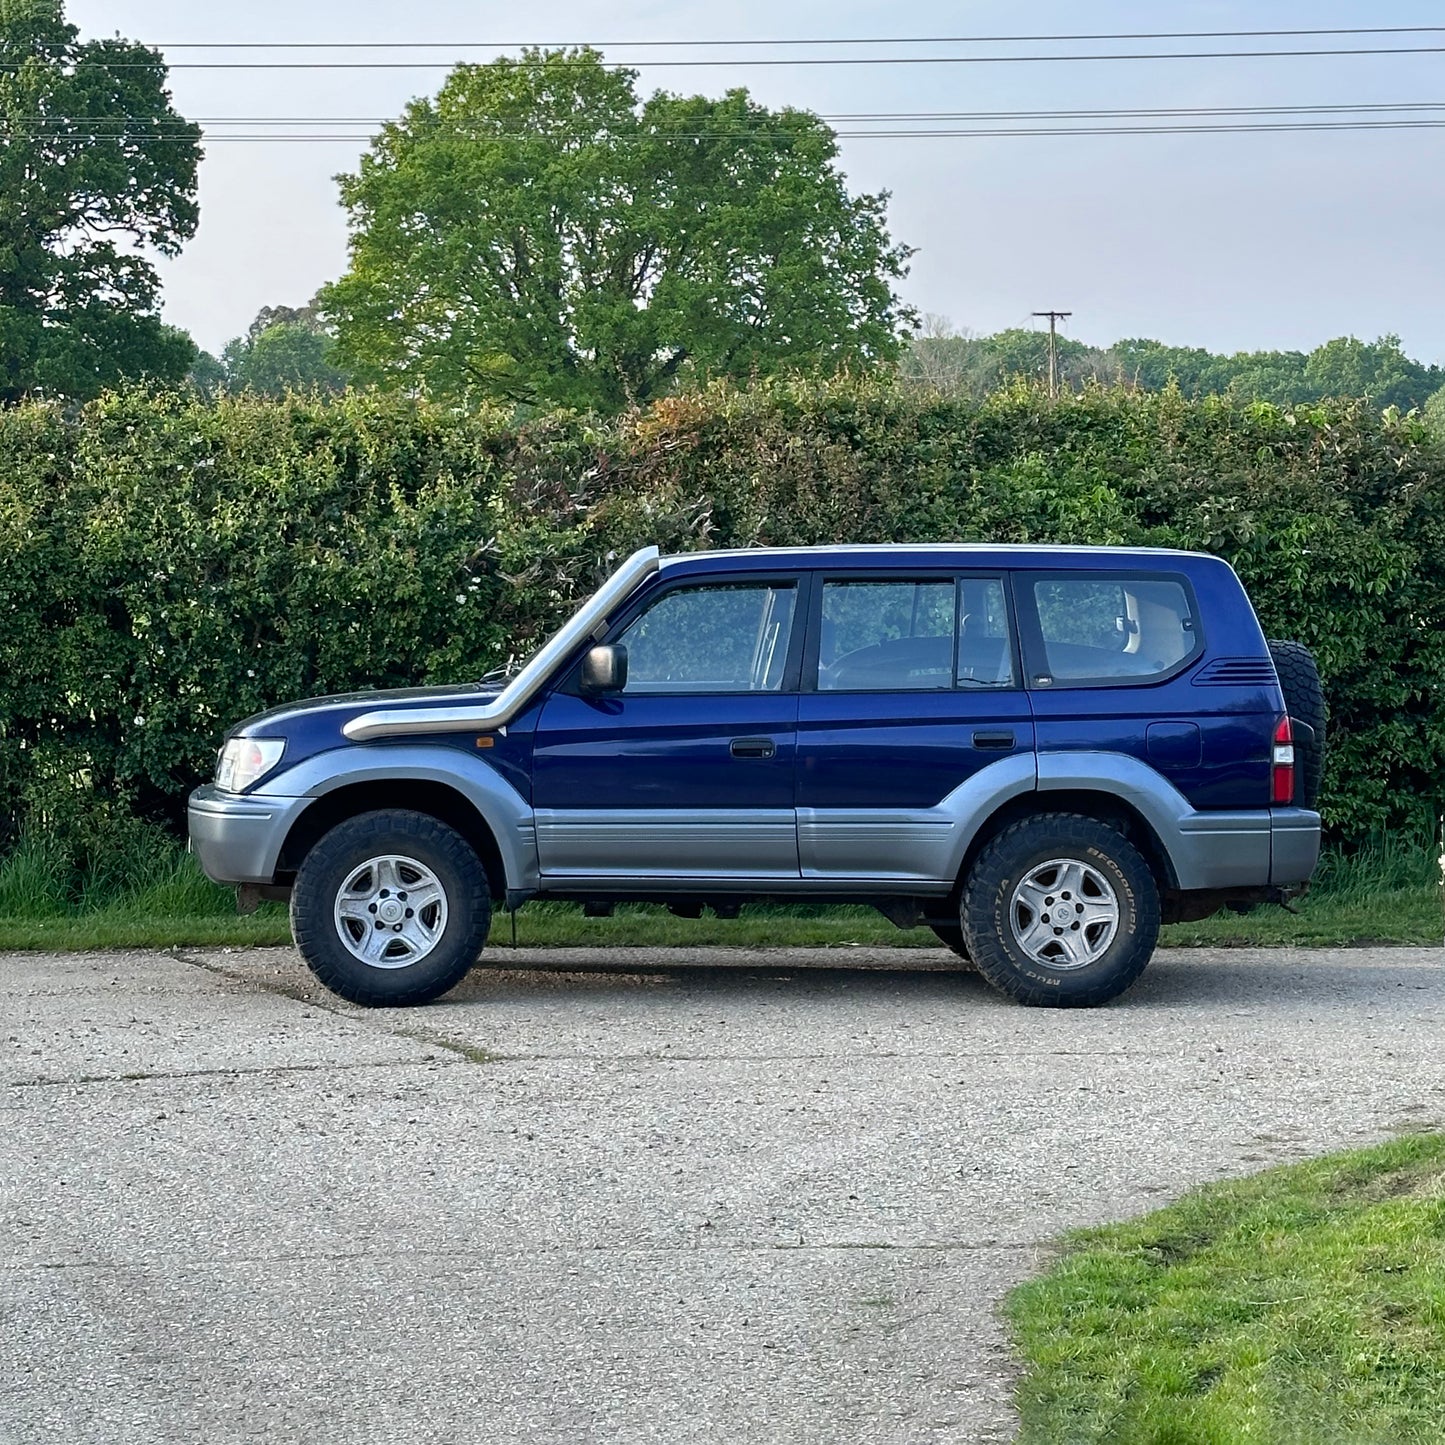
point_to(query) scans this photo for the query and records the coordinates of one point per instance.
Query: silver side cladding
(650, 845)
(742, 886)
(1294, 845)
(924, 845)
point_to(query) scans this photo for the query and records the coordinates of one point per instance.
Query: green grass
(1305, 1304)
(150, 895)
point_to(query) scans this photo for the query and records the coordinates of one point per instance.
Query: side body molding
(1226, 849)
(922, 846)
(505, 811)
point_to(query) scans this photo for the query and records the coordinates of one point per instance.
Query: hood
(315, 724)
(278, 721)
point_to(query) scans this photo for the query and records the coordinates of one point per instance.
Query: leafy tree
(95, 167)
(965, 365)
(537, 234)
(1379, 370)
(1435, 413)
(1345, 367)
(287, 348)
(207, 374)
(287, 357)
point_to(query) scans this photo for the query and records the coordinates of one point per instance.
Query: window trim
(813, 646)
(800, 582)
(1031, 632)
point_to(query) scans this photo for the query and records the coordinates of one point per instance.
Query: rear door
(1113, 664)
(911, 686)
(687, 775)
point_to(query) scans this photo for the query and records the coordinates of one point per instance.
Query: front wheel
(1061, 911)
(391, 908)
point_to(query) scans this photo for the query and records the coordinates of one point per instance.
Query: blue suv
(1042, 753)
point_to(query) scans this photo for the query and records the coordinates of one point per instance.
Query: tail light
(1282, 764)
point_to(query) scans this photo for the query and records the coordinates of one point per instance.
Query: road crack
(363, 1018)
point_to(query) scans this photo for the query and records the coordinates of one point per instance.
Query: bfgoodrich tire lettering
(334, 890)
(1110, 925)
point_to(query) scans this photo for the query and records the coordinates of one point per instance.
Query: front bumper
(238, 839)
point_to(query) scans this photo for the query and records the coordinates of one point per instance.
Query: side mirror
(604, 670)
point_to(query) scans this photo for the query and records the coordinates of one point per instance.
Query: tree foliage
(960, 365)
(537, 234)
(1435, 413)
(95, 168)
(286, 348)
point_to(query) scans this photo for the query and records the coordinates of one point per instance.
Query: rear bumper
(1255, 849)
(239, 839)
(1294, 845)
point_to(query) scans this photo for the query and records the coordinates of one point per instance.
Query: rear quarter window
(1111, 628)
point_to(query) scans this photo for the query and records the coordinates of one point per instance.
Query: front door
(911, 690)
(688, 773)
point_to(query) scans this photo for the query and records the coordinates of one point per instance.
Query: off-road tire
(1304, 700)
(950, 935)
(324, 871)
(1008, 860)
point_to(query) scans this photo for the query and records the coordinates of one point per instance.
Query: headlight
(244, 761)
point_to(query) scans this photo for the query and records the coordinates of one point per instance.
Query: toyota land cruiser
(1041, 752)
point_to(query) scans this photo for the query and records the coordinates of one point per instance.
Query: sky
(1231, 242)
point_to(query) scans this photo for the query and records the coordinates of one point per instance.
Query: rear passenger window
(884, 636)
(1103, 629)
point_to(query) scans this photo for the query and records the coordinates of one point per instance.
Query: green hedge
(173, 565)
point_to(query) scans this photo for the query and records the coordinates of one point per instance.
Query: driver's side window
(725, 637)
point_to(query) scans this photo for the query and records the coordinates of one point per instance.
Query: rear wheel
(1060, 911)
(391, 908)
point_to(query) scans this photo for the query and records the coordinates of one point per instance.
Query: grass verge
(1305, 1304)
(1389, 893)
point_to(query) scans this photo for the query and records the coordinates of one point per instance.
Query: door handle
(1002, 739)
(752, 747)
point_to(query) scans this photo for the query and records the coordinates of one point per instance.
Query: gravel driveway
(751, 1202)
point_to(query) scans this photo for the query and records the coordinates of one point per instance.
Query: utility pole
(1054, 318)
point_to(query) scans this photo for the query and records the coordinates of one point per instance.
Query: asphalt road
(732, 1204)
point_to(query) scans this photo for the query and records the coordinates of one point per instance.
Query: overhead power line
(1192, 111)
(1346, 107)
(681, 44)
(361, 138)
(801, 60)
